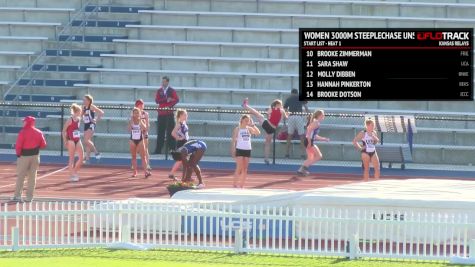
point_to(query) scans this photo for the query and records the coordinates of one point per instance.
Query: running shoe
(74, 178)
(98, 156)
(149, 168)
(85, 162)
(134, 174)
(173, 177)
(303, 171)
(147, 174)
(200, 186)
(245, 102)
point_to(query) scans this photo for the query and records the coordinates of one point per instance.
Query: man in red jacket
(29, 142)
(166, 98)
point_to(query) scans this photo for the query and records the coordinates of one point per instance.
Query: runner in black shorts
(136, 143)
(241, 148)
(181, 135)
(89, 112)
(274, 116)
(369, 139)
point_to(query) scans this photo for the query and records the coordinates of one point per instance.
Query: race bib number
(136, 134)
(370, 147)
(76, 134)
(86, 119)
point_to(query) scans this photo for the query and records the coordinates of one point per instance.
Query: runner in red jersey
(274, 116)
(72, 141)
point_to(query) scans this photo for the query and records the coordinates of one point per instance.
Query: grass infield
(125, 258)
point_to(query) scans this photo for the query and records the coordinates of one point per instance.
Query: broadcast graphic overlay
(386, 64)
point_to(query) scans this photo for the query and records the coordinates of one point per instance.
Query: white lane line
(41, 177)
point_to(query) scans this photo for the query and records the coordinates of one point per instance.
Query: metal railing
(60, 45)
(446, 139)
(324, 231)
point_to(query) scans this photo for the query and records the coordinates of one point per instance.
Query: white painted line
(41, 177)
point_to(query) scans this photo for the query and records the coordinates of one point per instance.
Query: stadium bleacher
(216, 52)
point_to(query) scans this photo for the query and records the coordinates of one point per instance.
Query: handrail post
(471, 247)
(61, 130)
(273, 149)
(15, 239)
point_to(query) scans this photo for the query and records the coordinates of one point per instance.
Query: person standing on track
(181, 135)
(90, 121)
(369, 139)
(144, 116)
(166, 98)
(137, 128)
(313, 152)
(274, 114)
(241, 148)
(28, 144)
(72, 141)
(190, 155)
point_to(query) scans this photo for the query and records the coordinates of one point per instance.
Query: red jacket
(163, 100)
(29, 138)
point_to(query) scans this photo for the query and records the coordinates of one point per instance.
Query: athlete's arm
(233, 142)
(284, 113)
(100, 112)
(65, 128)
(253, 128)
(375, 138)
(321, 138)
(357, 140)
(312, 126)
(175, 132)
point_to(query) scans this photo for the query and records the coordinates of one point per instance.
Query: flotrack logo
(437, 36)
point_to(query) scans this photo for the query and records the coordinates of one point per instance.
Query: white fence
(257, 229)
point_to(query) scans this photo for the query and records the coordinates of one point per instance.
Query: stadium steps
(105, 23)
(15, 129)
(92, 38)
(116, 8)
(40, 98)
(24, 113)
(76, 53)
(61, 68)
(7, 146)
(434, 8)
(48, 82)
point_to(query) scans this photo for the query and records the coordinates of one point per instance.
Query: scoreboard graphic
(386, 64)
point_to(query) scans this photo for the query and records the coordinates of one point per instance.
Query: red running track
(116, 182)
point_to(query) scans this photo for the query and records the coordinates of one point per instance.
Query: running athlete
(190, 155)
(146, 119)
(369, 139)
(313, 152)
(241, 148)
(181, 135)
(275, 114)
(88, 117)
(137, 128)
(72, 141)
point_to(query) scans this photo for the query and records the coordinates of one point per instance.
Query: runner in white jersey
(368, 139)
(241, 148)
(144, 116)
(181, 135)
(136, 128)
